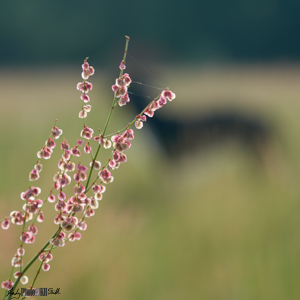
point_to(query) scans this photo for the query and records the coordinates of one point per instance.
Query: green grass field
(213, 225)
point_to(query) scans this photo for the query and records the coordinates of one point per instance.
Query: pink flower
(87, 72)
(103, 141)
(74, 236)
(122, 65)
(56, 132)
(123, 100)
(79, 188)
(50, 143)
(20, 251)
(84, 86)
(119, 90)
(82, 225)
(84, 111)
(89, 213)
(51, 198)
(5, 223)
(46, 267)
(33, 229)
(138, 124)
(40, 217)
(162, 101)
(104, 174)
(65, 145)
(168, 94)
(8, 284)
(34, 175)
(45, 153)
(123, 80)
(85, 98)
(75, 151)
(87, 132)
(87, 148)
(38, 166)
(149, 112)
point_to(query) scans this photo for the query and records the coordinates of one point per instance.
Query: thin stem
(31, 262)
(129, 124)
(38, 272)
(109, 116)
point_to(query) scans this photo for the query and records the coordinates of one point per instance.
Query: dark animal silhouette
(180, 136)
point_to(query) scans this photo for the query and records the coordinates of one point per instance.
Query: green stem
(30, 263)
(108, 118)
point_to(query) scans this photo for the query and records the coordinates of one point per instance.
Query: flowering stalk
(68, 210)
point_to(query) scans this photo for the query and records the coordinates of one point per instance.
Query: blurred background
(207, 206)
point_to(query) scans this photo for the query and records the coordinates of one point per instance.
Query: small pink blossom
(21, 251)
(87, 148)
(111, 164)
(33, 229)
(46, 267)
(5, 223)
(75, 151)
(123, 80)
(96, 164)
(89, 212)
(16, 261)
(168, 94)
(58, 241)
(104, 174)
(124, 100)
(50, 143)
(87, 72)
(45, 153)
(98, 196)
(27, 237)
(38, 166)
(65, 145)
(122, 65)
(34, 175)
(119, 90)
(149, 112)
(103, 141)
(74, 236)
(87, 132)
(116, 155)
(85, 98)
(138, 124)
(82, 225)
(84, 86)
(58, 219)
(94, 203)
(56, 132)
(40, 217)
(61, 195)
(79, 188)
(66, 155)
(60, 205)
(23, 279)
(8, 284)
(128, 134)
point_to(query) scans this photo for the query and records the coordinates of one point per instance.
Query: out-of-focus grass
(212, 225)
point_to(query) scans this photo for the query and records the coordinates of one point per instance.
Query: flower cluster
(120, 88)
(47, 150)
(45, 258)
(153, 106)
(85, 87)
(73, 210)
